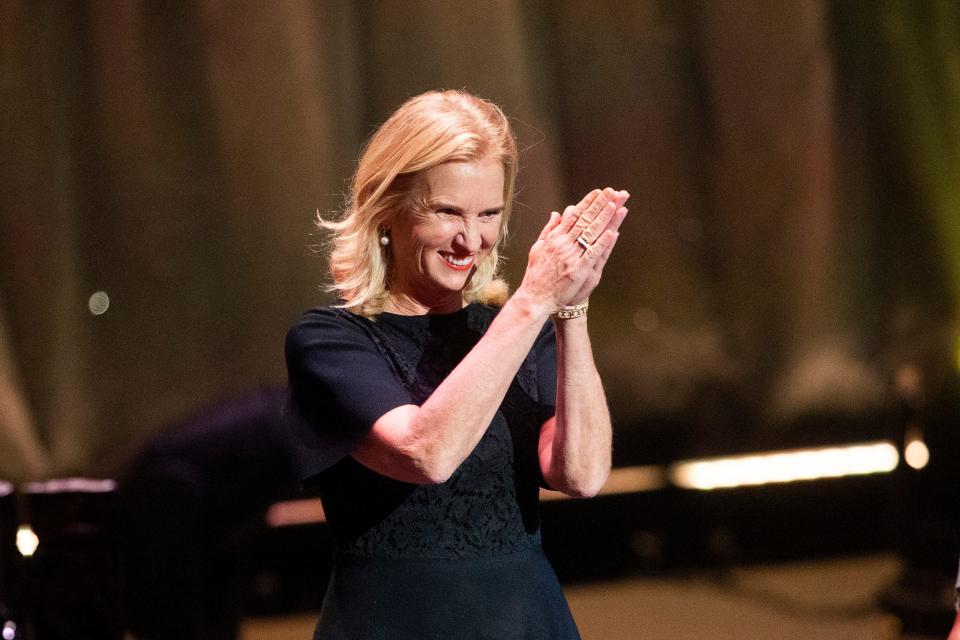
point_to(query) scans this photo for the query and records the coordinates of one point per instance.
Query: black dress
(461, 559)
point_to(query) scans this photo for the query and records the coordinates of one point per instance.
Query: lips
(458, 263)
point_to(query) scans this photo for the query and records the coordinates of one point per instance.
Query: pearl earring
(384, 240)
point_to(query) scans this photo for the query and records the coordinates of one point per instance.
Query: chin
(453, 285)
(451, 280)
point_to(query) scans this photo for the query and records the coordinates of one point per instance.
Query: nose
(468, 238)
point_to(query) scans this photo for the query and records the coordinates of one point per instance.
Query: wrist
(572, 311)
(529, 306)
(571, 326)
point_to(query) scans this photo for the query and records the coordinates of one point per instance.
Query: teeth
(460, 262)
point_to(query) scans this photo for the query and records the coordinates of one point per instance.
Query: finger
(567, 220)
(606, 241)
(588, 215)
(593, 279)
(597, 227)
(602, 260)
(615, 221)
(596, 269)
(618, 218)
(621, 197)
(551, 223)
(588, 199)
(604, 196)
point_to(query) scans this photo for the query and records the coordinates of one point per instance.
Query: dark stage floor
(832, 599)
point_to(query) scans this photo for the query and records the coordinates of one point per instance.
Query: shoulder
(326, 326)
(326, 319)
(325, 316)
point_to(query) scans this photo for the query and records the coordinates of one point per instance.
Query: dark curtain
(173, 155)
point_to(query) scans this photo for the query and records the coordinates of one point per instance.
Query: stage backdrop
(794, 165)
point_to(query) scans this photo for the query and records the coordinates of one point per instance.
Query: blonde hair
(427, 130)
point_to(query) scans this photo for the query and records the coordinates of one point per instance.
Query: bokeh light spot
(916, 454)
(99, 303)
(27, 541)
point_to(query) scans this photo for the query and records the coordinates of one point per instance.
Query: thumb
(551, 223)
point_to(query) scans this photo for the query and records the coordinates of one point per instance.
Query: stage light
(292, 512)
(915, 452)
(785, 466)
(99, 303)
(70, 575)
(703, 474)
(71, 485)
(27, 541)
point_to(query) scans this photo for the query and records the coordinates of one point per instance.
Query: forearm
(575, 446)
(428, 443)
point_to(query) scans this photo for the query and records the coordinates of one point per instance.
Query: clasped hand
(566, 262)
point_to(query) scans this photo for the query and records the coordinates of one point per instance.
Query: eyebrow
(443, 205)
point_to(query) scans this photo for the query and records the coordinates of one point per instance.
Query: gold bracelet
(568, 311)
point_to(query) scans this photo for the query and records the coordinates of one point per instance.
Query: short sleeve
(340, 384)
(545, 351)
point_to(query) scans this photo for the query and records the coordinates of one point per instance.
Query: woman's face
(435, 252)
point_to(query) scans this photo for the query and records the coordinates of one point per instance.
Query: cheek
(436, 234)
(491, 235)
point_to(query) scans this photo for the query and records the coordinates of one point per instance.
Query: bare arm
(575, 445)
(426, 444)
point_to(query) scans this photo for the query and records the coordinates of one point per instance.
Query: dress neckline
(425, 317)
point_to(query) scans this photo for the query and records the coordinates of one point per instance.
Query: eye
(447, 211)
(491, 213)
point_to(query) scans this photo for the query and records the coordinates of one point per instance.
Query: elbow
(415, 469)
(583, 492)
(432, 467)
(412, 457)
(435, 472)
(585, 489)
(583, 486)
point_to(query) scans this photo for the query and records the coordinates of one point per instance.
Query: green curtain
(922, 54)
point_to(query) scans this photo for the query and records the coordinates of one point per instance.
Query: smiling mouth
(459, 263)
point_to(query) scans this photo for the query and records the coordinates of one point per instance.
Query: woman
(427, 415)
